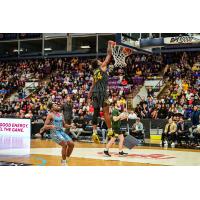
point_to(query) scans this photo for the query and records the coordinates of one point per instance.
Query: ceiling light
(85, 47)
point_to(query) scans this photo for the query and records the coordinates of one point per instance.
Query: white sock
(63, 161)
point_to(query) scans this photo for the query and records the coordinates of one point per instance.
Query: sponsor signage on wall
(182, 40)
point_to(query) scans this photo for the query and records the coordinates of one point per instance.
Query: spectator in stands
(138, 72)
(182, 132)
(162, 112)
(187, 111)
(132, 115)
(103, 129)
(150, 92)
(196, 134)
(80, 126)
(29, 115)
(138, 129)
(169, 134)
(124, 82)
(195, 116)
(144, 111)
(172, 111)
(154, 112)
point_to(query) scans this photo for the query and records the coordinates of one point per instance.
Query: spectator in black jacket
(150, 92)
(182, 131)
(67, 110)
(162, 112)
(195, 116)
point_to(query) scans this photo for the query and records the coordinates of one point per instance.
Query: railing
(148, 125)
(29, 89)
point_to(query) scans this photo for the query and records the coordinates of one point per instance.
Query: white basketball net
(119, 55)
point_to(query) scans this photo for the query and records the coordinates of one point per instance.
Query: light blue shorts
(59, 136)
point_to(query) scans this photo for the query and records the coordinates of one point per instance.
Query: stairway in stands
(164, 92)
(131, 96)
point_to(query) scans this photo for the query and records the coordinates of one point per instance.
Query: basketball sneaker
(173, 145)
(121, 153)
(95, 137)
(166, 144)
(107, 153)
(63, 163)
(110, 133)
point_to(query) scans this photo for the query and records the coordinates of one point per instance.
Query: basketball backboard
(126, 39)
(131, 40)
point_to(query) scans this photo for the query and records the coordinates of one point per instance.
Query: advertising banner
(182, 40)
(15, 135)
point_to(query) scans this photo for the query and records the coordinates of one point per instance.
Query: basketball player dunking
(55, 123)
(98, 92)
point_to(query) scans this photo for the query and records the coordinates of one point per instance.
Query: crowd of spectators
(73, 77)
(68, 76)
(14, 74)
(182, 94)
(177, 131)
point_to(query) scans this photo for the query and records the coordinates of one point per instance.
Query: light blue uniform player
(58, 135)
(55, 123)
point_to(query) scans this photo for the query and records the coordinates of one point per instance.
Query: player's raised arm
(108, 57)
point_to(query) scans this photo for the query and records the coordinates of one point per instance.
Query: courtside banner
(182, 40)
(15, 135)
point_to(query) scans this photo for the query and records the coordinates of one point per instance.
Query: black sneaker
(122, 153)
(107, 153)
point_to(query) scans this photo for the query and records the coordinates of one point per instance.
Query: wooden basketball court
(47, 153)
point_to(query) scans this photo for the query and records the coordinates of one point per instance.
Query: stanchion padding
(130, 142)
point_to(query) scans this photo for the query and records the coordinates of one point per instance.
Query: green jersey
(116, 124)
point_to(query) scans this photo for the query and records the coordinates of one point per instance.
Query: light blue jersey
(58, 135)
(58, 121)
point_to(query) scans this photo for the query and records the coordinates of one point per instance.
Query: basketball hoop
(119, 54)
